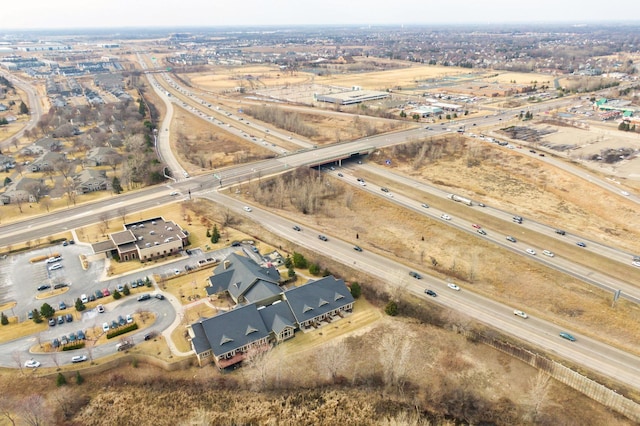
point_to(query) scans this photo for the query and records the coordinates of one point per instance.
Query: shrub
(356, 290)
(126, 291)
(79, 305)
(391, 309)
(60, 380)
(117, 295)
(122, 330)
(314, 269)
(73, 346)
(3, 319)
(79, 378)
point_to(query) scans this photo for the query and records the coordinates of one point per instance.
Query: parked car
(64, 340)
(78, 358)
(120, 288)
(55, 343)
(44, 287)
(121, 320)
(105, 292)
(98, 294)
(452, 286)
(72, 337)
(55, 266)
(84, 298)
(60, 285)
(53, 259)
(567, 336)
(60, 319)
(81, 335)
(62, 305)
(129, 319)
(431, 293)
(100, 308)
(105, 327)
(68, 317)
(520, 313)
(159, 296)
(52, 322)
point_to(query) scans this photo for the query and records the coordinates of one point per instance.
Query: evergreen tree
(37, 318)
(391, 309)
(60, 380)
(215, 236)
(126, 290)
(3, 319)
(356, 290)
(115, 184)
(79, 378)
(23, 108)
(79, 305)
(46, 310)
(117, 295)
(291, 272)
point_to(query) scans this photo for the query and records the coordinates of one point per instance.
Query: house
(20, 191)
(101, 156)
(229, 337)
(7, 162)
(90, 180)
(145, 240)
(244, 280)
(41, 146)
(46, 161)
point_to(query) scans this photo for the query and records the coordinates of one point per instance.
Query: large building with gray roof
(265, 313)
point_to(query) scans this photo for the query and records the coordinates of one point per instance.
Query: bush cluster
(121, 330)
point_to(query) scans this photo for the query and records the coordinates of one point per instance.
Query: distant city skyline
(75, 14)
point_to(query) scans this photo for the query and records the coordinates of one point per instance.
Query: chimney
(227, 263)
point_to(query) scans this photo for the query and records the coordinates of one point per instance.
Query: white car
(129, 319)
(32, 364)
(247, 208)
(78, 358)
(173, 193)
(531, 251)
(548, 253)
(55, 266)
(445, 217)
(105, 327)
(100, 309)
(636, 263)
(452, 286)
(520, 314)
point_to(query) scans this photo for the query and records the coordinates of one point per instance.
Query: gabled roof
(232, 330)
(277, 317)
(238, 275)
(318, 297)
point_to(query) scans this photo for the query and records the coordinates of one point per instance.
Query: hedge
(122, 330)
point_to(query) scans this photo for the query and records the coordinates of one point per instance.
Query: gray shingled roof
(318, 297)
(233, 329)
(241, 275)
(262, 290)
(277, 316)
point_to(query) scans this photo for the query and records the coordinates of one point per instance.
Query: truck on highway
(460, 199)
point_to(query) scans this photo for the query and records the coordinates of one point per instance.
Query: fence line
(594, 390)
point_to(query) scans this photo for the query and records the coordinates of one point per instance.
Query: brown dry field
(510, 181)
(435, 360)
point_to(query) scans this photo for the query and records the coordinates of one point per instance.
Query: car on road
(510, 238)
(144, 297)
(383, 189)
(105, 327)
(560, 232)
(452, 286)
(247, 208)
(482, 232)
(548, 253)
(159, 296)
(322, 237)
(430, 293)
(78, 358)
(567, 336)
(55, 266)
(297, 228)
(520, 313)
(426, 206)
(100, 308)
(445, 217)
(581, 244)
(517, 219)
(176, 271)
(531, 251)
(475, 225)
(363, 183)
(481, 205)
(625, 193)
(415, 275)
(44, 287)
(340, 175)
(357, 248)
(636, 263)
(149, 335)
(173, 193)
(32, 363)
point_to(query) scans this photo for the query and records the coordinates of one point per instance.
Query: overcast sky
(45, 14)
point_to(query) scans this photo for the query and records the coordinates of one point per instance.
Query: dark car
(114, 324)
(236, 244)
(296, 228)
(143, 297)
(44, 287)
(68, 317)
(567, 336)
(357, 248)
(72, 242)
(431, 293)
(510, 238)
(72, 338)
(62, 305)
(415, 275)
(121, 320)
(322, 237)
(383, 189)
(92, 298)
(340, 175)
(149, 335)
(81, 335)
(61, 285)
(581, 244)
(560, 232)
(55, 343)
(98, 294)
(159, 296)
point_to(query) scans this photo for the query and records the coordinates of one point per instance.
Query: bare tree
(394, 353)
(332, 360)
(45, 202)
(122, 211)
(8, 409)
(256, 366)
(34, 411)
(55, 359)
(104, 222)
(539, 388)
(64, 167)
(17, 358)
